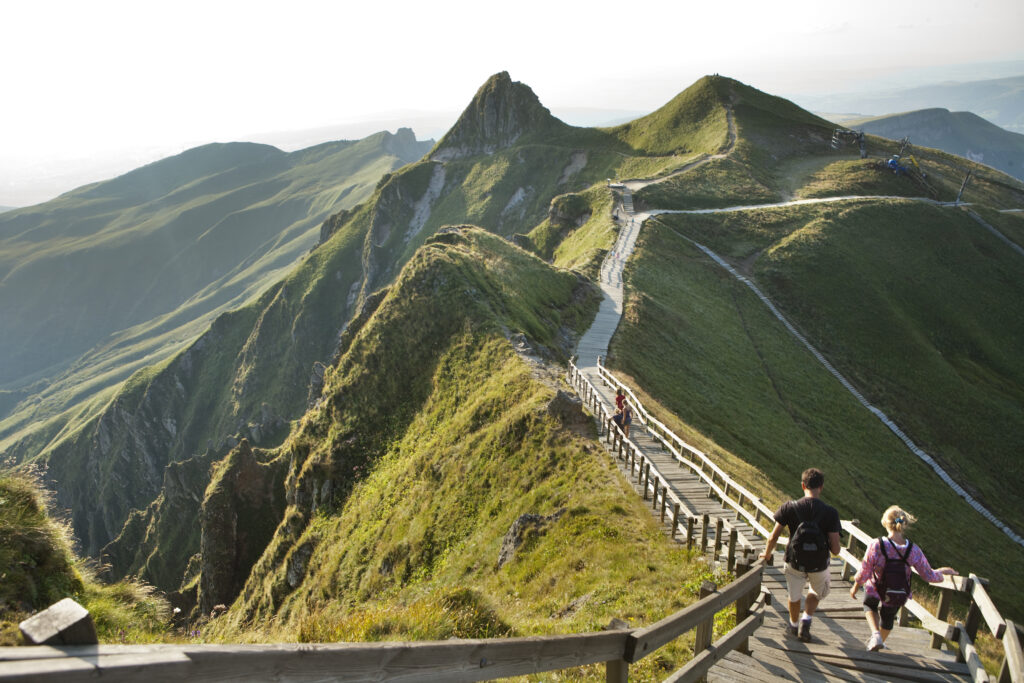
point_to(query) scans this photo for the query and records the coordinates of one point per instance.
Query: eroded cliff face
(156, 543)
(243, 506)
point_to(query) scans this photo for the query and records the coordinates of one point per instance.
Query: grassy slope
(464, 447)
(39, 569)
(170, 246)
(935, 362)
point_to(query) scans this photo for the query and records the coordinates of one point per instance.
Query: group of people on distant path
(623, 416)
(814, 536)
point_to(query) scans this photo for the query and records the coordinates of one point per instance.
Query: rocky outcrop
(502, 112)
(524, 527)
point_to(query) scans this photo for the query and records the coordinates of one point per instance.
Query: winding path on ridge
(595, 341)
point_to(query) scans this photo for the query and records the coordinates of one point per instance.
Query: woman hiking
(885, 574)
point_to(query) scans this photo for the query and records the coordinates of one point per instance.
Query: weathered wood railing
(961, 634)
(449, 660)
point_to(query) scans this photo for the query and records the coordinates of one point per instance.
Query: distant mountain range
(962, 133)
(122, 273)
(1000, 101)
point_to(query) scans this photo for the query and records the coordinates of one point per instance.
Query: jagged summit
(502, 112)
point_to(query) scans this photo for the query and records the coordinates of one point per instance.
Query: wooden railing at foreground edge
(961, 634)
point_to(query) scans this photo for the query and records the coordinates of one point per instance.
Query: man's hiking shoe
(790, 629)
(805, 630)
(875, 642)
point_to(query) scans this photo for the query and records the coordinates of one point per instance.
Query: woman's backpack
(891, 582)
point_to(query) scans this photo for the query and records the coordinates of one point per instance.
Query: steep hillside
(962, 133)
(914, 304)
(118, 275)
(432, 443)
(39, 568)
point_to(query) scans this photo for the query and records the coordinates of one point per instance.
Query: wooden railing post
(705, 629)
(743, 606)
(973, 614)
(664, 503)
(690, 521)
(704, 534)
(719, 525)
(1012, 663)
(847, 567)
(733, 536)
(675, 518)
(945, 600)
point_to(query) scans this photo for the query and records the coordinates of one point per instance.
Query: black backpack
(807, 550)
(891, 582)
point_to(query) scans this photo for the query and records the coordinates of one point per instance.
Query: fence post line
(733, 534)
(703, 632)
(743, 605)
(664, 502)
(690, 520)
(719, 525)
(945, 600)
(704, 534)
(675, 518)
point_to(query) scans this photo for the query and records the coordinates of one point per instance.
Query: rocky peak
(502, 112)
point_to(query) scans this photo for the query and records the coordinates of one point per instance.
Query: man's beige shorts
(795, 580)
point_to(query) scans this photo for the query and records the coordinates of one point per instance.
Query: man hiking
(813, 537)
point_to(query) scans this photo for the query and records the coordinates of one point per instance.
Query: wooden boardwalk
(837, 651)
(839, 633)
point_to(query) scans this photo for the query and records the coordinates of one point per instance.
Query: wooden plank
(166, 665)
(857, 652)
(809, 669)
(454, 660)
(1013, 664)
(970, 656)
(643, 642)
(995, 622)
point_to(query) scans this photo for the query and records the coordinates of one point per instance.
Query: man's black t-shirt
(792, 512)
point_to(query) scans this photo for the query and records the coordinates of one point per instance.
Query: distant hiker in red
(813, 533)
(623, 417)
(620, 398)
(885, 575)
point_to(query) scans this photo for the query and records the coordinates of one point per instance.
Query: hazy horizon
(113, 85)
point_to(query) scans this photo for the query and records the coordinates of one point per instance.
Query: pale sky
(88, 80)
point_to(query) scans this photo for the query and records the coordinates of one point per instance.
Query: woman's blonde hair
(897, 519)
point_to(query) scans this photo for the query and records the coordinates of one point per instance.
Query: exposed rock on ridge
(502, 112)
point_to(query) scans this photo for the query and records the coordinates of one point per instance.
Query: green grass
(933, 347)
(716, 184)
(692, 122)
(458, 426)
(39, 568)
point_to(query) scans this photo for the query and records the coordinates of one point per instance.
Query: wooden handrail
(704, 468)
(455, 660)
(981, 603)
(703, 661)
(646, 640)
